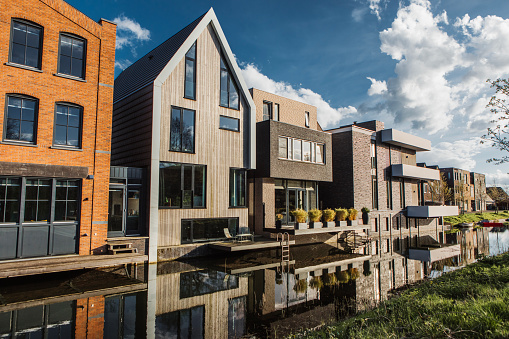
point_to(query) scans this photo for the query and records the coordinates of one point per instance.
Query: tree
(497, 135)
(440, 191)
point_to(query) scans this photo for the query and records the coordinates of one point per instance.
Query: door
(116, 212)
(296, 199)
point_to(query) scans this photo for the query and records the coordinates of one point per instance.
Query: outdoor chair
(228, 236)
(244, 232)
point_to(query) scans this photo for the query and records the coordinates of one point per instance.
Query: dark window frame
(307, 119)
(84, 60)
(230, 222)
(271, 110)
(181, 125)
(41, 43)
(229, 129)
(276, 117)
(182, 171)
(36, 118)
(80, 128)
(194, 71)
(229, 81)
(232, 191)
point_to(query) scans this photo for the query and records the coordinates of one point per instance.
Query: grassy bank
(475, 217)
(469, 303)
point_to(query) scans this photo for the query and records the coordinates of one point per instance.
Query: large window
(66, 200)
(21, 115)
(26, 44)
(181, 185)
(292, 194)
(195, 283)
(267, 110)
(182, 130)
(301, 150)
(238, 187)
(72, 54)
(200, 230)
(230, 124)
(306, 122)
(68, 121)
(190, 83)
(9, 199)
(182, 324)
(229, 92)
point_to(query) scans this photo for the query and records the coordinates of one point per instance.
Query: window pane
(60, 210)
(170, 185)
(319, 154)
(77, 67)
(228, 123)
(175, 144)
(276, 112)
(188, 178)
(189, 85)
(77, 48)
(290, 148)
(62, 113)
(188, 131)
(12, 130)
(65, 45)
(73, 190)
(266, 111)
(30, 210)
(12, 211)
(33, 35)
(283, 152)
(18, 54)
(19, 33)
(65, 65)
(27, 131)
(199, 186)
(306, 150)
(234, 97)
(192, 52)
(60, 135)
(224, 88)
(72, 210)
(74, 116)
(297, 150)
(61, 192)
(186, 231)
(14, 108)
(73, 136)
(44, 190)
(28, 111)
(32, 57)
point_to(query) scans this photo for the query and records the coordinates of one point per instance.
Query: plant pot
(330, 224)
(365, 218)
(341, 223)
(301, 226)
(353, 222)
(279, 223)
(315, 224)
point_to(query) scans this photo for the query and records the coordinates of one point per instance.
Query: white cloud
(459, 153)
(130, 33)
(440, 77)
(122, 64)
(498, 178)
(358, 14)
(374, 6)
(377, 87)
(328, 116)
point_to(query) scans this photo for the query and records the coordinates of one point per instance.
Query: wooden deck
(23, 267)
(257, 244)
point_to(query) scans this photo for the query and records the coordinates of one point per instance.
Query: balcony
(433, 253)
(415, 172)
(431, 211)
(402, 139)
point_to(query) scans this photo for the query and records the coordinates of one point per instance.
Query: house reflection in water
(229, 297)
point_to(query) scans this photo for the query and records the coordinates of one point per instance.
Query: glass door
(296, 199)
(116, 211)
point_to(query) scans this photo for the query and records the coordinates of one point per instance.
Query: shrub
(329, 215)
(300, 215)
(301, 286)
(330, 279)
(316, 283)
(365, 210)
(314, 215)
(343, 277)
(352, 214)
(353, 273)
(341, 214)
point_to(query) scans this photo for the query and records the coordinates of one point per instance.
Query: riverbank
(471, 302)
(475, 217)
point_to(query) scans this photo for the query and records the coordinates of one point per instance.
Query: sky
(419, 66)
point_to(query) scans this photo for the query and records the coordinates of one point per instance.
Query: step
(120, 246)
(123, 250)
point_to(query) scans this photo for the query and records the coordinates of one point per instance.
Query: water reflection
(251, 294)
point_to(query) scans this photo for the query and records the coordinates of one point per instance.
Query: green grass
(469, 303)
(475, 217)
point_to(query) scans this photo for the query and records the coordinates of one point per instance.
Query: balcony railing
(415, 172)
(431, 211)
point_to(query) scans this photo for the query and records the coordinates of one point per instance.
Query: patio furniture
(245, 234)
(228, 236)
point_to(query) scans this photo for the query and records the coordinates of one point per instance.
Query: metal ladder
(284, 239)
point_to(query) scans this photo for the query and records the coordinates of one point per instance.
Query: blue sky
(418, 65)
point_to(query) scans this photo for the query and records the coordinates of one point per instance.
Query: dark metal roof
(147, 68)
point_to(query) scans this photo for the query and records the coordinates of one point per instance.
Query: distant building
(462, 191)
(56, 97)
(478, 191)
(499, 196)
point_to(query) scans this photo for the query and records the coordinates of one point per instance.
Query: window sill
(69, 77)
(23, 67)
(235, 109)
(14, 143)
(66, 148)
(193, 99)
(237, 207)
(231, 130)
(302, 162)
(181, 152)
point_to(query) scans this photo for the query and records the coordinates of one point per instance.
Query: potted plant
(330, 279)
(316, 283)
(300, 218)
(279, 220)
(341, 216)
(365, 215)
(314, 218)
(301, 286)
(352, 217)
(353, 273)
(328, 217)
(343, 277)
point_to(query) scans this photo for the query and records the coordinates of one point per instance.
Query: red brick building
(56, 84)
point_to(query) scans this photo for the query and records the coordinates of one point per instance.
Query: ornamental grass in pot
(352, 217)
(300, 218)
(341, 216)
(365, 215)
(314, 218)
(328, 217)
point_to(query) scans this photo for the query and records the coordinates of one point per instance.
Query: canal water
(253, 295)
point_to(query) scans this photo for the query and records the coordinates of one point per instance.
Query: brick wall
(94, 95)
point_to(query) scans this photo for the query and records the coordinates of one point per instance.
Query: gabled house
(184, 114)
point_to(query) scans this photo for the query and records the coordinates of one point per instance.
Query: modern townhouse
(374, 167)
(462, 192)
(478, 191)
(293, 155)
(182, 113)
(56, 84)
